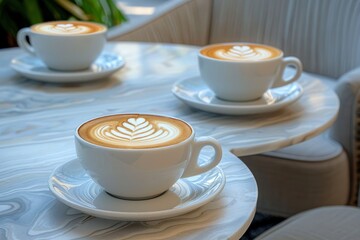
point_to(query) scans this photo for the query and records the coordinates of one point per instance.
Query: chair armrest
(346, 129)
(185, 22)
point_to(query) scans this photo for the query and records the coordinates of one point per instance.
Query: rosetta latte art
(243, 53)
(136, 131)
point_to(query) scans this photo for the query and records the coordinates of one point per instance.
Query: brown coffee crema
(240, 52)
(67, 28)
(135, 131)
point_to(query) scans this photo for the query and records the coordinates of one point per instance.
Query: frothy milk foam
(67, 28)
(134, 131)
(240, 52)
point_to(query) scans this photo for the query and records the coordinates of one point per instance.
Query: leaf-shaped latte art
(244, 53)
(136, 131)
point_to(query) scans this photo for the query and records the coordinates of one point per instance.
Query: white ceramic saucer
(72, 186)
(33, 68)
(194, 92)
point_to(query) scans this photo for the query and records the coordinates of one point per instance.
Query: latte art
(67, 28)
(134, 131)
(241, 52)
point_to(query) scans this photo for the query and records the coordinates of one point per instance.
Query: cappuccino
(64, 45)
(240, 52)
(67, 28)
(140, 156)
(135, 131)
(244, 71)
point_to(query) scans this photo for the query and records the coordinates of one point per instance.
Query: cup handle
(285, 62)
(22, 42)
(193, 168)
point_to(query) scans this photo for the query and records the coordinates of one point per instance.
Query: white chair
(323, 223)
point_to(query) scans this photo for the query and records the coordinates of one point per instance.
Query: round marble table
(37, 122)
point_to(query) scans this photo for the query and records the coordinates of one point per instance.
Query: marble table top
(37, 122)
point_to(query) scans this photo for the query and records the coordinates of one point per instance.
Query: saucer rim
(63, 76)
(232, 109)
(135, 216)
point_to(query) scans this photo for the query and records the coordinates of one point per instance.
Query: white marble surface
(37, 122)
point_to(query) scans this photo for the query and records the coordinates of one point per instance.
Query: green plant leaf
(95, 10)
(10, 26)
(116, 15)
(33, 11)
(11, 5)
(73, 9)
(53, 11)
(102, 11)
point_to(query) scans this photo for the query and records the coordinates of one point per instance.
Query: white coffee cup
(64, 45)
(244, 71)
(132, 165)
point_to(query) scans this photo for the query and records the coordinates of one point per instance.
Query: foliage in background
(16, 14)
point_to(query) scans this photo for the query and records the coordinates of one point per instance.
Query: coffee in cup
(64, 45)
(140, 156)
(244, 71)
(241, 52)
(132, 131)
(67, 28)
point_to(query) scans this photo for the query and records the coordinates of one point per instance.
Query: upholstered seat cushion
(320, 148)
(325, 223)
(288, 186)
(303, 176)
(315, 149)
